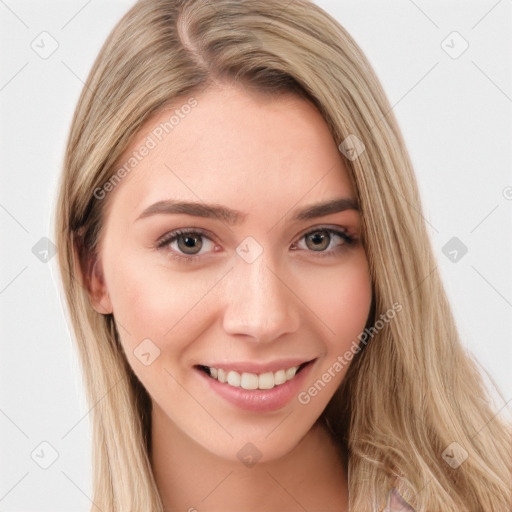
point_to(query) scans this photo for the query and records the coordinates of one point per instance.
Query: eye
(320, 240)
(186, 244)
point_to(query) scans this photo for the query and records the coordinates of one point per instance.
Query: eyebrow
(233, 217)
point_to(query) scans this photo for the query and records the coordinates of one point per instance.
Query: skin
(266, 158)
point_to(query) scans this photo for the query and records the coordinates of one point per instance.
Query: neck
(190, 478)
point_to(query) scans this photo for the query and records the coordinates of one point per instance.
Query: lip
(260, 400)
(252, 367)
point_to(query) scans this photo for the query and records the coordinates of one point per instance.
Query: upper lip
(253, 367)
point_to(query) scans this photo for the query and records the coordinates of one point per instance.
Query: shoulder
(395, 502)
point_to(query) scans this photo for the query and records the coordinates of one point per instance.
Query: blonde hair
(412, 390)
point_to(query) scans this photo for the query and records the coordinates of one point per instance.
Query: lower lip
(259, 400)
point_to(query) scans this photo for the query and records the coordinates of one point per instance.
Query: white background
(455, 115)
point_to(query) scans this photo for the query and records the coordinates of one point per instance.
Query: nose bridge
(259, 304)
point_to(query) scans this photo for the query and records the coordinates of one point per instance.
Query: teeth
(234, 379)
(249, 381)
(252, 380)
(290, 373)
(221, 375)
(280, 377)
(266, 380)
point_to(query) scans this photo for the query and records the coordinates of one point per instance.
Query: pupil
(187, 242)
(318, 238)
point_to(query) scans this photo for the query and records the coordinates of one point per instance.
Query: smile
(252, 381)
(257, 387)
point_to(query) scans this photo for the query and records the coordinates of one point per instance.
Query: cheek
(341, 298)
(151, 301)
(158, 314)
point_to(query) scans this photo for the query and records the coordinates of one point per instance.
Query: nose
(259, 304)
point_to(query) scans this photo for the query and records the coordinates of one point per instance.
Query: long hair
(412, 392)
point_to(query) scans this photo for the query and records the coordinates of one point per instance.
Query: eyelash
(348, 241)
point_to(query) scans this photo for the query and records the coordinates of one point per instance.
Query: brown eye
(190, 244)
(318, 240)
(325, 241)
(186, 244)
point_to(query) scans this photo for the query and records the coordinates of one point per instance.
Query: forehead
(234, 147)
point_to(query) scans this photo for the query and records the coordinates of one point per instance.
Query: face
(218, 264)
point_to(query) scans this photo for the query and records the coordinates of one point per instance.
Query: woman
(256, 303)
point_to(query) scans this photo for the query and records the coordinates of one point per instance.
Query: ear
(97, 289)
(92, 277)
